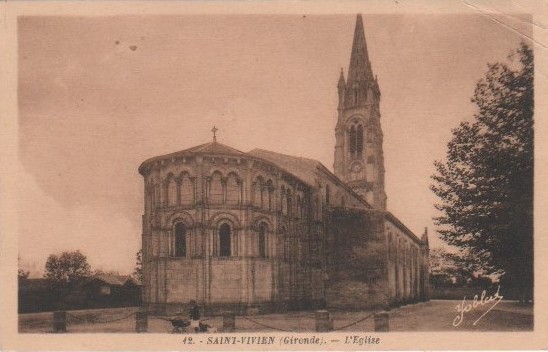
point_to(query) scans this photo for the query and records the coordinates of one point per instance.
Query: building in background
(96, 291)
(106, 290)
(265, 231)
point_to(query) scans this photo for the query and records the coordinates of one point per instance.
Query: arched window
(171, 191)
(356, 140)
(187, 190)
(257, 195)
(264, 196)
(216, 189)
(327, 195)
(262, 240)
(352, 140)
(180, 240)
(232, 189)
(289, 200)
(225, 240)
(359, 140)
(269, 190)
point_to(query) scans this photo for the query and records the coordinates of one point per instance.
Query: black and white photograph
(268, 179)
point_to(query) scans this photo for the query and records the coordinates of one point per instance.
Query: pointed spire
(341, 87)
(341, 83)
(424, 237)
(360, 76)
(360, 67)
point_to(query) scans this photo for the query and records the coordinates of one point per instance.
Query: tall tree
(68, 267)
(486, 183)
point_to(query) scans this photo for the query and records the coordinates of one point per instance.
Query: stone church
(263, 231)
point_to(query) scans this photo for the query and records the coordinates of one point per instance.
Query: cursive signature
(463, 307)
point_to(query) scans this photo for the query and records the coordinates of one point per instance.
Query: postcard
(273, 175)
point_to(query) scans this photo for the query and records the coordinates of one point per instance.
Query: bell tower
(359, 159)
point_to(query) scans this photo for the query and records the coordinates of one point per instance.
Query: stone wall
(259, 196)
(356, 261)
(322, 242)
(407, 265)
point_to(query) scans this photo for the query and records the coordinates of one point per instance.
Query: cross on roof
(214, 130)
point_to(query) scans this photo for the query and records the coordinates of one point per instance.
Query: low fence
(42, 322)
(323, 322)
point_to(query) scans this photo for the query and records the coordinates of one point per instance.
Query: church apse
(228, 230)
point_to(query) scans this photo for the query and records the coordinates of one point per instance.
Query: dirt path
(439, 315)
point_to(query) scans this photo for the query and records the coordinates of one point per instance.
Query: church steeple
(359, 159)
(341, 87)
(360, 75)
(360, 67)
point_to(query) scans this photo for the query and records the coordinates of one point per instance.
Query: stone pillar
(59, 321)
(381, 322)
(323, 323)
(229, 322)
(141, 321)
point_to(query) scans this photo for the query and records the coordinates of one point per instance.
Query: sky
(99, 95)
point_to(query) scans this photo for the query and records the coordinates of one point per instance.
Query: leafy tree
(486, 183)
(455, 269)
(138, 271)
(68, 267)
(441, 271)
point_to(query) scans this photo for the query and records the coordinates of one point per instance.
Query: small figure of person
(194, 316)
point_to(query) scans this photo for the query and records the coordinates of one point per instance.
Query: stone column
(59, 321)
(381, 322)
(229, 322)
(323, 322)
(141, 321)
